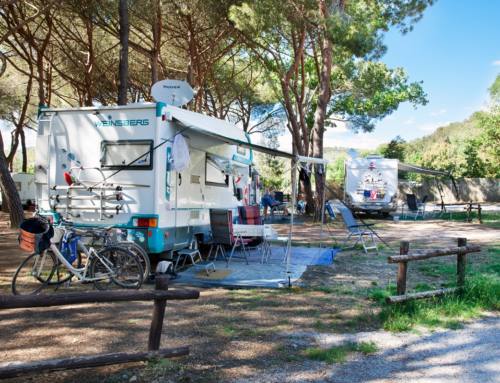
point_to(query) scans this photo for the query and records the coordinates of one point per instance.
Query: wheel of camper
(33, 273)
(141, 255)
(115, 266)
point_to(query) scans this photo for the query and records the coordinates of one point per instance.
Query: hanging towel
(180, 154)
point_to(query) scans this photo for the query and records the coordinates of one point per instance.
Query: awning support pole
(323, 200)
(292, 216)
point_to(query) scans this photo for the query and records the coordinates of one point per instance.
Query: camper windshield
(119, 154)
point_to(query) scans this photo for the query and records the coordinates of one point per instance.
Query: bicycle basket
(35, 234)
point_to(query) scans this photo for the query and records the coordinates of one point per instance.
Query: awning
(226, 132)
(417, 169)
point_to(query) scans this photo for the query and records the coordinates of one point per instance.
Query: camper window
(214, 174)
(119, 154)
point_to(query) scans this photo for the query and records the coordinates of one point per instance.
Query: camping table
(255, 231)
(468, 206)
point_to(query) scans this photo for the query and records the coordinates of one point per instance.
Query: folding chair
(359, 231)
(279, 197)
(221, 224)
(415, 208)
(329, 210)
(250, 215)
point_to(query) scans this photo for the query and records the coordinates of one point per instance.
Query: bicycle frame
(81, 273)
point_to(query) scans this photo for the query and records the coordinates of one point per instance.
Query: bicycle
(110, 236)
(110, 266)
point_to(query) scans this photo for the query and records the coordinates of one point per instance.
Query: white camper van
(25, 185)
(114, 166)
(371, 184)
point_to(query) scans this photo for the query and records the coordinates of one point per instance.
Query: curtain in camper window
(132, 154)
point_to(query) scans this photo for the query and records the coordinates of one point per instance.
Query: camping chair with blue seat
(221, 224)
(357, 230)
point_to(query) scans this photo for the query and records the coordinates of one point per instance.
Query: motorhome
(119, 166)
(25, 185)
(371, 184)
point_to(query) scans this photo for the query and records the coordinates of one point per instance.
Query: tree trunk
(306, 188)
(155, 54)
(10, 195)
(89, 65)
(123, 66)
(318, 129)
(24, 165)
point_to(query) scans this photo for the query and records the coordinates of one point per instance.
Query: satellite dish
(172, 92)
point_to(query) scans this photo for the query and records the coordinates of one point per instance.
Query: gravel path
(471, 354)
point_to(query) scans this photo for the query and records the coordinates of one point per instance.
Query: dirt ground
(234, 335)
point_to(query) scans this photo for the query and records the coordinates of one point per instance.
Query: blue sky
(455, 51)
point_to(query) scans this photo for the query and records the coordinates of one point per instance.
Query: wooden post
(158, 314)
(479, 213)
(461, 262)
(404, 247)
(13, 369)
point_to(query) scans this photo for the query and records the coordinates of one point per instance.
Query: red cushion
(250, 215)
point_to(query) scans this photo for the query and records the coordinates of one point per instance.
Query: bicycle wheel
(115, 265)
(33, 273)
(141, 255)
(61, 273)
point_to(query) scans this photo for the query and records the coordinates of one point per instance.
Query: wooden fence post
(161, 283)
(404, 247)
(461, 262)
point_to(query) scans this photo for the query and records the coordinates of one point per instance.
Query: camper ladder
(106, 200)
(46, 119)
(89, 196)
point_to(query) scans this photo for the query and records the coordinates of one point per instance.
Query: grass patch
(367, 348)
(338, 354)
(481, 293)
(380, 294)
(436, 269)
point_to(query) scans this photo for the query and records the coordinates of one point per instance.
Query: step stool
(187, 253)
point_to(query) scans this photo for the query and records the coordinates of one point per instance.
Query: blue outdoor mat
(255, 274)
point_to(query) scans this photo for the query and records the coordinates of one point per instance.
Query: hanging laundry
(180, 154)
(373, 194)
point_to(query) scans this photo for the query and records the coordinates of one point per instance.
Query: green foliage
(468, 149)
(338, 354)
(495, 90)
(394, 149)
(482, 292)
(374, 91)
(336, 170)
(272, 172)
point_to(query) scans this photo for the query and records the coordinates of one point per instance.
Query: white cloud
(410, 121)
(341, 127)
(439, 112)
(496, 63)
(430, 127)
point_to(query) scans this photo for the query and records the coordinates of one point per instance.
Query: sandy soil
(235, 335)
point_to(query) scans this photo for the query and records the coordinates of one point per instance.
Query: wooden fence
(404, 257)
(160, 296)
